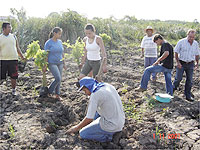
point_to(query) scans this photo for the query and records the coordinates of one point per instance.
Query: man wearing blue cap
(105, 115)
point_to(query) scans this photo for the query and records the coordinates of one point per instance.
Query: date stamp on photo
(169, 136)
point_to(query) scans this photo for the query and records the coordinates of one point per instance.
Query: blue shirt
(55, 51)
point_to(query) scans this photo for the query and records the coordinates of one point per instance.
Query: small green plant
(124, 89)
(158, 133)
(41, 62)
(77, 50)
(117, 52)
(131, 111)
(165, 110)
(40, 57)
(27, 75)
(151, 102)
(12, 131)
(32, 49)
(53, 124)
(35, 92)
(106, 38)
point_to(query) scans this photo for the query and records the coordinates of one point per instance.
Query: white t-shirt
(107, 102)
(150, 48)
(93, 50)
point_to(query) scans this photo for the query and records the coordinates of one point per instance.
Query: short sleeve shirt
(186, 51)
(150, 48)
(167, 62)
(55, 51)
(108, 104)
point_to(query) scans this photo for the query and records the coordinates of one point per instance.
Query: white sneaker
(14, 92)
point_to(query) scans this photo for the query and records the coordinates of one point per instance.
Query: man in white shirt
(149, 50)
(186, 53)
(105, 115)
(9, 51)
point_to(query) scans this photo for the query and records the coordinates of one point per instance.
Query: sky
(184, 10)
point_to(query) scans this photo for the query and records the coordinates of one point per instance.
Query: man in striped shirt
(186, 53)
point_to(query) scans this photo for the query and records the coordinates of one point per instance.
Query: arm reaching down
(82, 124)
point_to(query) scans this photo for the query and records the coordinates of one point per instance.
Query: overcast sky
(141, 9)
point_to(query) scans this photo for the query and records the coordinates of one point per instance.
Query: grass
(124, 89)
(158, 132)
(117, 52)
(132, 112)
(27, 75)
(53, 124)
(12, 131)
(164, 111)
(35, 92)
(151, 102)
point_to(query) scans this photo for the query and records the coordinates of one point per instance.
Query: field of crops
(30, 122)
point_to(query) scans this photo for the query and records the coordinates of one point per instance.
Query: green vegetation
(158, 134)
(106, 38)
(125, 31)
(40, 57)
(151, 102)
(77, 50)
(12, 131)
(131, 111)
(32, 49)
(116, 52)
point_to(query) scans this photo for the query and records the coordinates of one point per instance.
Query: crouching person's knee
(83, 134)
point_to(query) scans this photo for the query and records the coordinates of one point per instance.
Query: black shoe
(191, 99)
(174, 90)
(192, 95)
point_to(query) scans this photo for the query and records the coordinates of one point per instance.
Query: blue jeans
(93, 131)
(148, 61)
(188, 68)
(156, 69)
(56, 70)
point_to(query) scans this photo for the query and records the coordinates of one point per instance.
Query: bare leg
(90, 74)
(13, 83)
(81, 76)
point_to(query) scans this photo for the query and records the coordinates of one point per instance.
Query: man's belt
(183, 62)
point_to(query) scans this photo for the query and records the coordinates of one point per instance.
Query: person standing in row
(9, 51)
(163, 64)
(149, 50)
(55, 60)
(92, 59)
(186, 53)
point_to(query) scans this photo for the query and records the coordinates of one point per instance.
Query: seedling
(158, 133)
(77, 50)
(151, 102)
(12, 131)
(40, 57)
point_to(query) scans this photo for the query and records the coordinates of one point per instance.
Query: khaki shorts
(91, 65)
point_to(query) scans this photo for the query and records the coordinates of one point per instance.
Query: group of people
(186, 55)
(105, 115)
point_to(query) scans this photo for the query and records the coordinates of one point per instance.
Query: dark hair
(56, 30)
(4, 25)
(156, 37)
(90, 27)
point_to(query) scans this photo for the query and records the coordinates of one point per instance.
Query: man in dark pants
(9, 51)
(186, 53)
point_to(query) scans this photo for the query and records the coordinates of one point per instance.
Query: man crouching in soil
(105, 114)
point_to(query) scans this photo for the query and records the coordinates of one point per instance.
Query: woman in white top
(92, 58)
